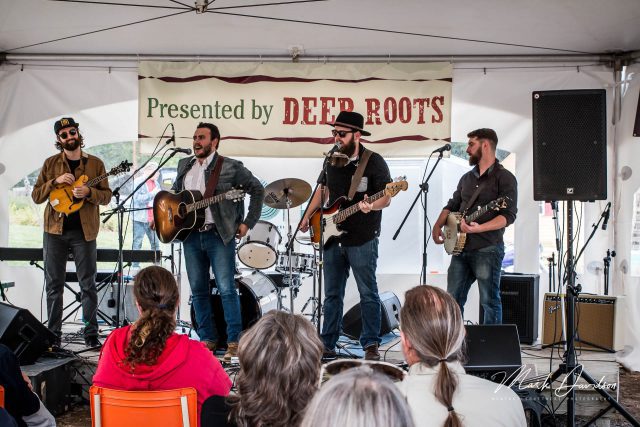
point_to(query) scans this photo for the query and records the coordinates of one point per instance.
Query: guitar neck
(97, 179)
(201, 204)
(476, 214)
(344, 214)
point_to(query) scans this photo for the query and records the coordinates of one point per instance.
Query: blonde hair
(358, 397)
(280, 359)
(432, 323)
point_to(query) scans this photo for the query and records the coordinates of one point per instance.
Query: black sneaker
(329, 355)
(92, 342)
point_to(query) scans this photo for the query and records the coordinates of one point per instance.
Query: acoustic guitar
(61, 198)
(454, 239)
(176, 214)
(332, 216)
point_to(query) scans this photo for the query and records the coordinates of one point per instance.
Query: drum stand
(289, 255)
(314, 313)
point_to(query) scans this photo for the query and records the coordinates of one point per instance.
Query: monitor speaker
(570, 145)
(520, 302)
(23, 334)
(493, 351)
(598, 320)
(352, 320)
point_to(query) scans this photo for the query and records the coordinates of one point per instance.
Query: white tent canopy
(502, 51)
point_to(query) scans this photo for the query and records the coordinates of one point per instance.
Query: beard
(475, 158)
(71, 145)
(206, 150)
(349, 148)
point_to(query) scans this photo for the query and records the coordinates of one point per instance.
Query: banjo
(454, 239)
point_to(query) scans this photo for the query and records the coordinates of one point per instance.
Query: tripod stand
(570, 366)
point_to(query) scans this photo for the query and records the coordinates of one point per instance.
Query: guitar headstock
(123, 167)
(237, 195)
(393, 188)
(499, 203)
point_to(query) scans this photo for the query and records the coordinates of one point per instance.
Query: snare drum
(258, 248)
(258, 295)
(300, 263)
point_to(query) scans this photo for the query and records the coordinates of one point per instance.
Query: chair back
(120, 408)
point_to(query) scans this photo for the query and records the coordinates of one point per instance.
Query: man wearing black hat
(76, 232)
(358, 247)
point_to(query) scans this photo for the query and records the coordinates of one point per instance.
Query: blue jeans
(140, 229)
(483, 265)
(203, 251)
(363, 261)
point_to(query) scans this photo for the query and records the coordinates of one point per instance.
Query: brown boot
(371, 352)
(232, 351)
(211, 345)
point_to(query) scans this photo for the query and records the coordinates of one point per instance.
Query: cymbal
(295, 190)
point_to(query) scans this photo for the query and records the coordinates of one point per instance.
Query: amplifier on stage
(598, 320)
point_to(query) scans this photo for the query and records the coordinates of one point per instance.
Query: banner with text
(283, 109)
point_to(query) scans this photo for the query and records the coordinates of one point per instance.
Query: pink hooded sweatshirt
(183, 363)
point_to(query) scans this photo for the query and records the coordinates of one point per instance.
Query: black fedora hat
(351, 120)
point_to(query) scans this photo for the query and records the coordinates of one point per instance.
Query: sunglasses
(335, 367)
(341, 133)
(72, 132)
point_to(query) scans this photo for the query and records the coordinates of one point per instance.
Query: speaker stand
(570, 366)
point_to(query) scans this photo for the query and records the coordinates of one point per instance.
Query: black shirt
(359, 227)
(496, 182)
(72, 222)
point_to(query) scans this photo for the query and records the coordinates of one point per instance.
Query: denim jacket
(227, 214)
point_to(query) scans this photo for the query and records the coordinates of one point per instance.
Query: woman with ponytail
(438, 390)
(149, 355)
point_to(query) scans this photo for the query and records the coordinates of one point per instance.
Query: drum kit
(261, 291)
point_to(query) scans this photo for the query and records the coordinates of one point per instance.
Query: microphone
(335, 148)
(605, 215)
(445, 147)
(173, 136)
(186, 151)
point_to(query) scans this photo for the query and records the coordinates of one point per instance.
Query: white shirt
(478, 402)
(194, 180)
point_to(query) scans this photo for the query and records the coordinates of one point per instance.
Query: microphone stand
(424, 189)
(120, 210)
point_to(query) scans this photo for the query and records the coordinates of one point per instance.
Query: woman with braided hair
(149, 355)
(438, 390)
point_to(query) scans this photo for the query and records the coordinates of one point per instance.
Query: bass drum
(258, 295)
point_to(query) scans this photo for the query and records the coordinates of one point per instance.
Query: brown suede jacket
(100, 194)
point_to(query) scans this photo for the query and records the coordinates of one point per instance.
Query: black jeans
(56, 250)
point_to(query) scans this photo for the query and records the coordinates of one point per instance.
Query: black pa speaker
(23, 334)
(570, 145)
(352, 320)
(493, 351)
(520, 302)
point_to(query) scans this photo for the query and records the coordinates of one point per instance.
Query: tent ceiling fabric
(552, 26)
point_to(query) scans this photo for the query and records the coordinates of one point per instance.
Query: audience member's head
(280, 360)
(358, 397)
(432, 332)
(156, 294)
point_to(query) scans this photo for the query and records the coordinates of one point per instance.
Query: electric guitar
(176, 214)
(454, 239)
(61, 198)
(332, 216)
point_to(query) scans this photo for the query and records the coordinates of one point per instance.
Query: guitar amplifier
(520, 301)
(598, 321)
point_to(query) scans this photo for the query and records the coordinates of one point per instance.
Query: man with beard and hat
(76, 232)
(481, 258)
(358, 247)
(213, 246)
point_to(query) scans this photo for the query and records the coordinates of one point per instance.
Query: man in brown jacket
(74, 233)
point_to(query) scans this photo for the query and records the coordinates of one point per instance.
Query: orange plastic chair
(119, 408)
(1, 397)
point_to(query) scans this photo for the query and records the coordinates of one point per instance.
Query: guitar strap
(213, 178)
(357, 176)
(473, 198)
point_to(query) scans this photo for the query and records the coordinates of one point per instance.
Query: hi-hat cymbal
(287, 192)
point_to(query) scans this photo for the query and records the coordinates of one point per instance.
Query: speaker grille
(570, 145)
